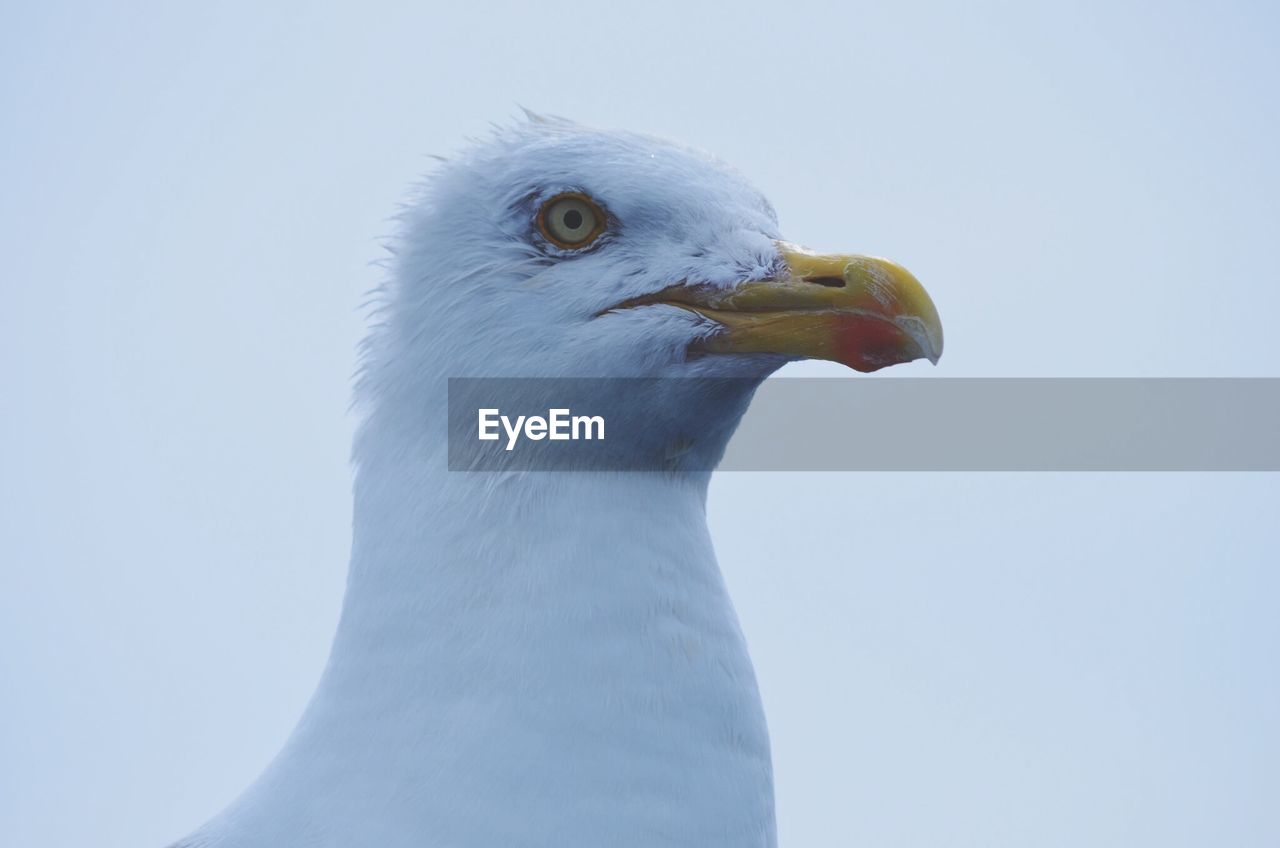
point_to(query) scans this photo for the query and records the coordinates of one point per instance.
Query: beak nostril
(829, 282)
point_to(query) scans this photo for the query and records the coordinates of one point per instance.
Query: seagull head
(554, 250)
(550, 250)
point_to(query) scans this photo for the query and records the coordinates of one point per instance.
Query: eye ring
(571, 220)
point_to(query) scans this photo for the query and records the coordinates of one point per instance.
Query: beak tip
(934, 351)
(922, 336)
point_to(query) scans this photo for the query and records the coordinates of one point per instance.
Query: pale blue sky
(192, 200)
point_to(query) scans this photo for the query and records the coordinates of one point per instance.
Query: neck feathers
(527, 659)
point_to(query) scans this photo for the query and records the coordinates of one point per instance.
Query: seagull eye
(571, 221)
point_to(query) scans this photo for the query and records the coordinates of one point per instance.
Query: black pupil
(573, 219)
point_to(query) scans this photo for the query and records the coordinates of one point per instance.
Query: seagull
(552, 659)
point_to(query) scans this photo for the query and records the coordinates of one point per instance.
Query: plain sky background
(191, 202)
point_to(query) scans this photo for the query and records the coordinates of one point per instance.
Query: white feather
(534, 659)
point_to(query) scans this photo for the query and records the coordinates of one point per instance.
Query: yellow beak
(864, 312)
